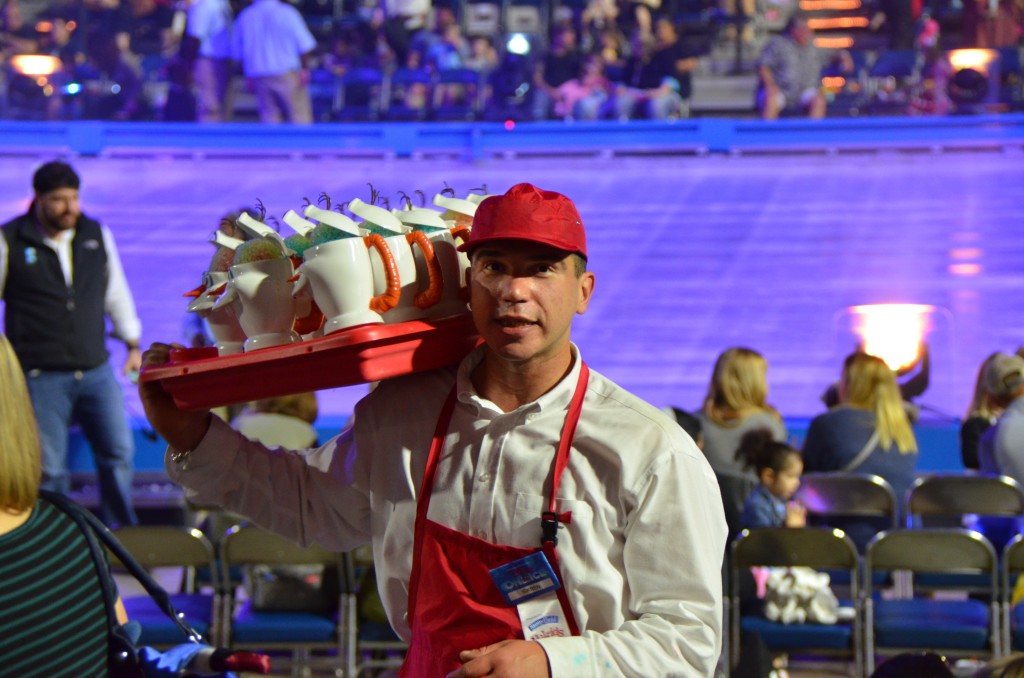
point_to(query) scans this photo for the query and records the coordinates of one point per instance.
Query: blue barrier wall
(481, 140)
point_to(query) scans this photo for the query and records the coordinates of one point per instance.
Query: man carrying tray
(528, 517)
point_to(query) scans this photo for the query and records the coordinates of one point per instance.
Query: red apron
(454, 604)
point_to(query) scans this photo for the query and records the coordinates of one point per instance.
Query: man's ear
(586, 282)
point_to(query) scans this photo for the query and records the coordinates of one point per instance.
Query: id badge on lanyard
(530, 584)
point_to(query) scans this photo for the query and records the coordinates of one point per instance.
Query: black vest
(52, 326)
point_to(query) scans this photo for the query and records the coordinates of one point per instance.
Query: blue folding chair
(324, 94)
(300, 633)
(815, 547)
(179, 547)
(359, 94)
(457, 94)
(402, 83)
(915, 623)
(1013, 614)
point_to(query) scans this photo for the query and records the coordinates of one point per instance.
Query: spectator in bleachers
(207, 45)
(789, 73)
(657, 78)
(736, 402)
(613, 48)
(424, 40)
(451, 51)
(597, 17)
(352, 47)
(1001, 449)
(101, 17)
(180, 104)
(584, 97)
(634, 16)
(557, 66)
(930, 95)
(483, 57)
(113, 89)
(868, 432)
(272, 42)
(897, 16)
(981, 415)
(17, 36)
(741, 27)
(405, 21)
(147, 30)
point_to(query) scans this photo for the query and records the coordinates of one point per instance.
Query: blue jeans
(93, 398)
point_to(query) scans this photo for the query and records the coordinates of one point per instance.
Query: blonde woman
(984, 410)
(867, 432)
(52, 615)
(736, 404)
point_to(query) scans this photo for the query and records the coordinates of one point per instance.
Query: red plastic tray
(199, 379)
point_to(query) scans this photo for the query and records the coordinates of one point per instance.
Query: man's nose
(514, 287)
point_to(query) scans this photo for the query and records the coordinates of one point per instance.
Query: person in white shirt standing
(272, 42)
(207, 44)
(528, 517)
(61, 278)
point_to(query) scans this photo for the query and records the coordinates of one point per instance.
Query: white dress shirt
(641, 559)
(209, 22)
(269, 37)
(117, 300)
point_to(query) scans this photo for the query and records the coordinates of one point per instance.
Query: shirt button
(484, 477)
(531, 417)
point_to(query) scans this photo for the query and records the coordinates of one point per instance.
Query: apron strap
(426, 489)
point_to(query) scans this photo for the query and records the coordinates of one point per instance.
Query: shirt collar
(556, 399)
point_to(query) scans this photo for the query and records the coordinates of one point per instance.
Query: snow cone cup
(223, 323)
(415, 297)
(261, 294)
(444, 264)
(377, 220)
(339, 275)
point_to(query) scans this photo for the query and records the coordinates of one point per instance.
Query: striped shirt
(52, 616)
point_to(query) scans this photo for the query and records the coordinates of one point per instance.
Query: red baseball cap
(526, 212)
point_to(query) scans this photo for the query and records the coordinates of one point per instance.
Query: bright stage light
(35, 64)
(518, 44)
(975, 79)
(893, 332)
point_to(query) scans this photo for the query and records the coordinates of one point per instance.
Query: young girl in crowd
(778, 468)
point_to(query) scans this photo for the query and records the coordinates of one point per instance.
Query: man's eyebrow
(541, 257)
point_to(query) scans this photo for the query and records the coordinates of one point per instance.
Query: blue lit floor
(692, 254)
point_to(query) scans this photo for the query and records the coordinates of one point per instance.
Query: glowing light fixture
(35, 64)
(518, 44)
(826, 5)
(833, 42)
(976, 59)
(893, 332)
